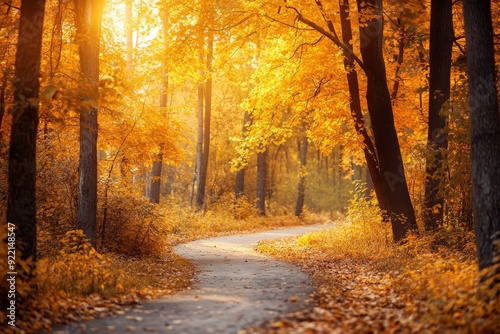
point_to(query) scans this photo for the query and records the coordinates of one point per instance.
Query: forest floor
(235, 287)
(362, 282)
(357, 289)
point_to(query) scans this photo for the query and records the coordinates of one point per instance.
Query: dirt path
(235, 287)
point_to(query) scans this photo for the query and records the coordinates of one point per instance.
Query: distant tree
(203, 167)
(301, 187)
(441, 42)
(261, 182)
(154, 195)
(239, 186)
(21, 205)
(485, 128)
(88, 15)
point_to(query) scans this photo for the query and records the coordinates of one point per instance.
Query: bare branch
(284, 23)
(347, 51)
(233, 25)
(303, 44)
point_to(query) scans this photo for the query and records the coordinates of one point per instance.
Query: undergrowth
(133, 261)
(429, 284)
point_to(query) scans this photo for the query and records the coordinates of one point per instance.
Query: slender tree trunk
(380, 108)
(356, 113)
(239, 186)
(302, 178)
(399, 62)
(21, 203)
(202, 176)
(156, 170)
(441, 42)
(261, 182)
(88, 22)
(154, 195)
(485, 128)
(199, 143)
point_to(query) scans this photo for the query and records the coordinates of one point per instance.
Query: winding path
(235, 287)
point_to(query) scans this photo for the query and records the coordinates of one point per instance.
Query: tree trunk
(441, 42)
(485, 128)
(88, 22)
(3, 89)
(380, 108)
(239, 186)
(355, 105)
(21, 204)
(156, 170)
(202, 176)
(399, 62)
(261, 182)
(199, 142)
(302, 179)
(154, 195)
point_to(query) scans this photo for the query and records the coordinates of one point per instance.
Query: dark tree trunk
(154, 195)
(239, 186)
(88, 22)
(485, 128)
(2, 105)
(399, 62)
(355, 105)
(261, 182)
(21, 205)
(199, 144)
(441, 42)
(380, 108)
(302, 179)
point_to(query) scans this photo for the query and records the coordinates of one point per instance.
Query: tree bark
(239, 186)
(154, 195)
(21, 203)
(399, 62)
(302, 179)
(379, 103)
(261, 182)
(156, 170)
(199, 143)
(441, 42)
(202, 176)
(485, 128)
(355, 106)
(3, 89)
(88, 23)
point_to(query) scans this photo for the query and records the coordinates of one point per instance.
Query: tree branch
(330, 36)
(303, 44)
(284, 23)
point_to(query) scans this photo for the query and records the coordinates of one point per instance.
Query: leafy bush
(364, 235)
(78, 269)
(131, 225)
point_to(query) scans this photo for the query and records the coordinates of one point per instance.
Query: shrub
(78, 269)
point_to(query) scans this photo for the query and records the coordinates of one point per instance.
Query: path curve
(235, 287)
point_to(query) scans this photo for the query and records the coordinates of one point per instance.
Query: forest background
(163, 121)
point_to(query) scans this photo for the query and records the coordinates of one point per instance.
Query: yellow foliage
(78, 269)
(430, 280)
